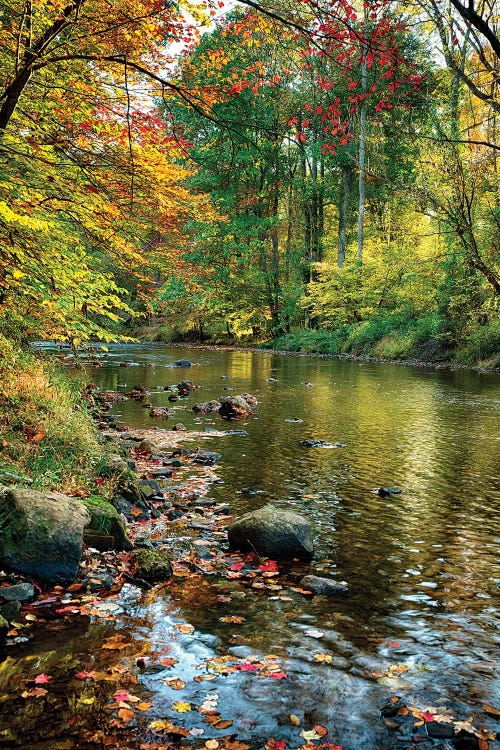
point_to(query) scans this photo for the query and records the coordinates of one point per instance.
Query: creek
(421, 619)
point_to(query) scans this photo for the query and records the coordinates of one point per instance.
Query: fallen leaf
(278, 675)
(211, 744)
(184, 627)
(491, 710)
(144, 705)
(87, 701)
(175, 683)
(321, 730)
(126, 714)
(34, 692)
(233, 618)
(294, 720)
(115, 642)
(42, 679)
(167, 662)
(273, 744)
(84, 675)
(323, 658)
(181, 707)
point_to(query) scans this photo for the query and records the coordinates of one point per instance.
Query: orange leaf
(491, 710)
(126, 714)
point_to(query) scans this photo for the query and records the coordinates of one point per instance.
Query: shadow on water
(422, 567)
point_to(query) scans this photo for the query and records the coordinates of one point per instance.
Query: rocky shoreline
(408, 362)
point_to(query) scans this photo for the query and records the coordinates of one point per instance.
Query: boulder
(113, 466)
(207, 407)
(235, 407)
(272, 532)
(106, 522)
(19, 592)
(325, 586)
(153, 566)
(41, 534)
(182, 363)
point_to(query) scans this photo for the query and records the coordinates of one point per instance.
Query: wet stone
(10, 610)
(21, 592)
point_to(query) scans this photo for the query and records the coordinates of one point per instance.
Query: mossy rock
(106, 521)
(114, 465)
(41, 534)
(153, 566)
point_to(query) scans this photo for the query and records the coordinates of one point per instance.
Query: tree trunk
(345, 189)
(362, 138)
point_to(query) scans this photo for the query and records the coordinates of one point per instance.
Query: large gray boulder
(41, 534)
(272, 532)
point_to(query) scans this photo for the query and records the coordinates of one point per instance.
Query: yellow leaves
(323, 658)
(115, 642)
(181, 707)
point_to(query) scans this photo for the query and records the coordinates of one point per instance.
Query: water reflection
(423, 567)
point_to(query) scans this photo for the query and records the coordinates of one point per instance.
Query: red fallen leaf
(273, 744)
(427, 716)
(321, 730)
(278, 675)
(247, 667)
(237, 566)
(270, 567)
(42, 679)
(121, 695)
(392, 644)
(84, 675)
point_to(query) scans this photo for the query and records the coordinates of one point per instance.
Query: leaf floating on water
(168, 662)
(294, 720)
(184, 627)
(273, 744)
(115, 642)
(211, 744)
(233, 618)
(491, 710)
(84, 675)
(181, 707)
(144, 705)
(175, 683)
(278, 675)
(167, 726)
(396, 670)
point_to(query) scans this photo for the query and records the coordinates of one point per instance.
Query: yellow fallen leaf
(181, 707)
(211, 744)
(144, 706)
(325, 658)
(294, 720)
(87, 701)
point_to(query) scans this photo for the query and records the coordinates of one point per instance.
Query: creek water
(423, 566)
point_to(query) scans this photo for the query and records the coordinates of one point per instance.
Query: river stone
(272, 532)
(41, 534)
(105, 521)
(182, 363)
(19, 592)
(325, 586)
(114, 465)
(153, 565)
(235, 407)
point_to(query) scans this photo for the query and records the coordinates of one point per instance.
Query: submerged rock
(385, 491)
(41, 534)
(320, 444)
(325, 586)
(272, 532)
(182, 363)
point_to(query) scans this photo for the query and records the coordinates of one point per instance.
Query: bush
(481, 346)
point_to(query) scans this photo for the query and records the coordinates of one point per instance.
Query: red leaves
(42, 679)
